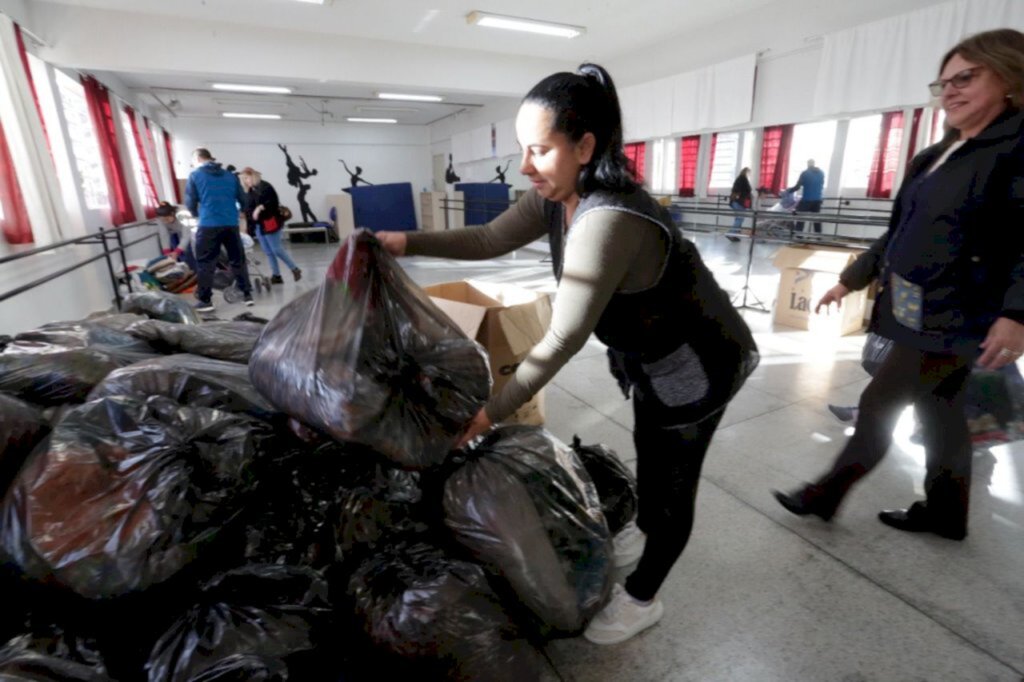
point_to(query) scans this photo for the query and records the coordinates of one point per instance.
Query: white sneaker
(628, 544)
(622, 618)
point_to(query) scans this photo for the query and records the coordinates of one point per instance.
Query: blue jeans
(271, 245)
(738, 222)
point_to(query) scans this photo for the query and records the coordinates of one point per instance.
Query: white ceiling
(336, 57)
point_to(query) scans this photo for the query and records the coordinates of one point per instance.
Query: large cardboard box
(506, 320)
(807, 273)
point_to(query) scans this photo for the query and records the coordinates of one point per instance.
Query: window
(689, 148)
(811, 141)
(724, 157)
(775, 157)
(663, 166)
(84, 147)
(636, 153)
(747, 158)
(861, 138)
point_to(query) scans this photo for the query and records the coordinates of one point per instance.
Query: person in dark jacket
(626, 273)
(261, 210)
(214, 196)
(812, 181)
(951, 269)
(740, 199)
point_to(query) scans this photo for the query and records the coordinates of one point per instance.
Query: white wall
(15, 9)
(386, 153)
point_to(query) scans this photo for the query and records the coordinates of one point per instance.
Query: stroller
(781, 227)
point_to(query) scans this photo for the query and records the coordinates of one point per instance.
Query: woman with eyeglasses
(951, 270)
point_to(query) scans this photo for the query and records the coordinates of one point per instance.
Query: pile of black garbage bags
(189, 500)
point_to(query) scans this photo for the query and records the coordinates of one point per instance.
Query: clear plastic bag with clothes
(232, 341)
(127, 492)
(525, 507)
(615, 483)
(160, 305)
(439, 615)
(249, 620)
(367, 357)
(190, 380)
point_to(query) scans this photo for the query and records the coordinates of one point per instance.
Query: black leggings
(934, 383)
(669, 461)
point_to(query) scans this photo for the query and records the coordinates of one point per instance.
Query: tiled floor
(761, 594)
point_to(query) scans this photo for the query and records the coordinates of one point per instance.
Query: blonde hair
(1002, 51)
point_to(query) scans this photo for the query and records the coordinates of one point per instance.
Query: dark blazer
(742, 192)
(958, 234)
(263, 193)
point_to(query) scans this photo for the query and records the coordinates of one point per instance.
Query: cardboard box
(506, 320)
(807, 273)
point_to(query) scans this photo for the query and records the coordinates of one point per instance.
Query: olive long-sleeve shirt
(605, 251)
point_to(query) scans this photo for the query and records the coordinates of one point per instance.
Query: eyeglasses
(959, 81)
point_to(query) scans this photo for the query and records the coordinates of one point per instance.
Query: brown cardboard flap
(810, 258)
(463, 291)
(524, 325)
(468, 317)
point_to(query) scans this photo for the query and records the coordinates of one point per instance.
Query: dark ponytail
(586, 102)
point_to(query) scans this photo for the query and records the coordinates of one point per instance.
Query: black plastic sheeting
(232, 341)
(21, 428)
(104, 332)
(160, 305)
(524, 506)
(367, 357)
(329, 505)
(250, 623)
(439, 615)
(190, 380)
(127, 492)
(53, 658)
(58, 378)
(616, 484)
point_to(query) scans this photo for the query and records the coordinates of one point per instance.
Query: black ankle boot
(811, 499)
(276, 279)
(297, 274)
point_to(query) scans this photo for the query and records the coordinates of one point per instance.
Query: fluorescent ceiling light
(314, 2)
(236, 87)
(520, 24)
(387, 110)
(409, 98)
(358, 119)
(268, 117)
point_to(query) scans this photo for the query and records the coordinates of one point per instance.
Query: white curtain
(37, 175)
(887, 64)
(717, 96)
(505, 137)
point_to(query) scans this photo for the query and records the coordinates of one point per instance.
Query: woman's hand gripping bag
(368, 358)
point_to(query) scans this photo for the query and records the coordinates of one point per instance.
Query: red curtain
(775, 157)
(689, 148)
(887, 154)
(915, 127)
(150, 201)
(170, 167)
(98, 100)
(14, 225)
(32, 84)
(636, 152)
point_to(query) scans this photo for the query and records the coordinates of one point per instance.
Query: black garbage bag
(128, 491)
(190, 380)
(231, 341)
(615, 483)
(105, 332)
(439, 614)
(367, 357)
(258, 618)
(160, 305)
(52, 657)
(525, 507)
(21, 427)
(314, 508)
(59, 377)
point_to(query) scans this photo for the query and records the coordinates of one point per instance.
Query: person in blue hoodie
(812, 181)
(214, 196)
